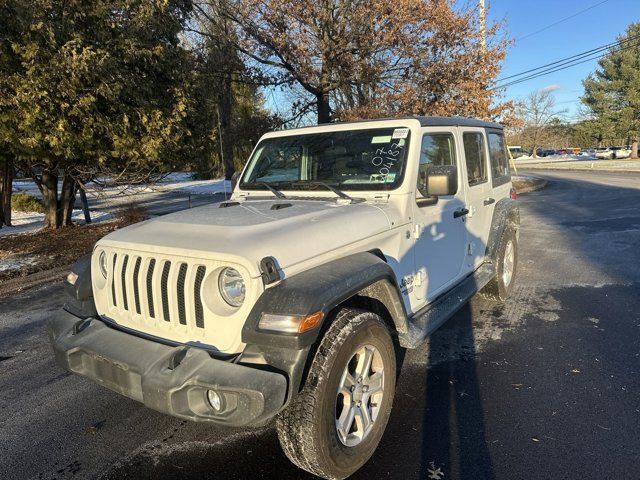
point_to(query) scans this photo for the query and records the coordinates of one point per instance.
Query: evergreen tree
(612, 93)
(92, 88)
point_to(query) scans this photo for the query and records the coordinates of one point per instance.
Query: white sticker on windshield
(390, 177)
(400, 133)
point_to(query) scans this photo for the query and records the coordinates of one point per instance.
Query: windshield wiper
(335, 190)
(273, 190)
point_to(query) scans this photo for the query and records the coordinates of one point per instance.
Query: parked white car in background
(604, 153)
(621, 152)
(613, 152)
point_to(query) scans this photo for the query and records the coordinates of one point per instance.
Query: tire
(307, 428)
(500, 286)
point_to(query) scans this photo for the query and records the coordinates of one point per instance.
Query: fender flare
(79, 298)
(321, 289)
(506, 214)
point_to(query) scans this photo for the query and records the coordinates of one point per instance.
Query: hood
(247, 232)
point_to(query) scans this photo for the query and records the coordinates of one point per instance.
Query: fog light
(215, 400)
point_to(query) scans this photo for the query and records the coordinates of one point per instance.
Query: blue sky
(593, 28)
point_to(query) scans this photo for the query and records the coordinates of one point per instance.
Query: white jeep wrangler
(340, 245)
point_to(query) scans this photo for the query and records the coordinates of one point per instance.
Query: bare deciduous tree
(538, 112)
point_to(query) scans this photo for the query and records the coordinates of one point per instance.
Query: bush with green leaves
(23, 202)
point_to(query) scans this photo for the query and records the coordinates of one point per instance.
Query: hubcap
(360, 393)
(507, 267)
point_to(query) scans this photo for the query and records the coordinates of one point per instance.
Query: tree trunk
(2, 219)
(85, 204)
(324, 109)
(634, 148)
(48, 186)
(6, 189)
(224, 126)
(67, 201)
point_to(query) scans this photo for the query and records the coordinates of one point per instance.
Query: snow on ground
(13, 263)
(27, 222)
(113, 197)
(176, 182)
(553, 158)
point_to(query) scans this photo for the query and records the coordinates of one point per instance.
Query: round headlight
(102, 262)
(231, 286)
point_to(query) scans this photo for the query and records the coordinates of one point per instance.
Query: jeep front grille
(141, 285)
(165, 292)
(196, 288)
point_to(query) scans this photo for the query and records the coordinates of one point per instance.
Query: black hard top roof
(456, 122)
(429, 122)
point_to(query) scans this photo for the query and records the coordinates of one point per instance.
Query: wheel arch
(362, 280)
(358, 280)
(506, 214)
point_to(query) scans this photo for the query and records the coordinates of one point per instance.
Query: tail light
(513, 194)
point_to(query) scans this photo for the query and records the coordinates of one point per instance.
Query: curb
(533, 184)
(38, 279)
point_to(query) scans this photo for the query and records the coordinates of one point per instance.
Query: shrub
(23, 202)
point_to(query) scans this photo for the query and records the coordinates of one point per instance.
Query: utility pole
(483, 25)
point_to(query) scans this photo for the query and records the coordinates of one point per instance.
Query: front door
(478, 198)
(440, 237)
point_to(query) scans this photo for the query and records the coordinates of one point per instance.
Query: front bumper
(172, 380)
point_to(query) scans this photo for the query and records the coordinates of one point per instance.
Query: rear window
(475, 157)
(498, 156)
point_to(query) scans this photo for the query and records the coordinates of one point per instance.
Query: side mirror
(234, 180)
(442, 180)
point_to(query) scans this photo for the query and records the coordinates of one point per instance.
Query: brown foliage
(367, 59)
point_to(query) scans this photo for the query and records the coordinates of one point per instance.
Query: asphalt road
(545, 386)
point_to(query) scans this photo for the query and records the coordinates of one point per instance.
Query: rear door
(440, 236)
(479, 199)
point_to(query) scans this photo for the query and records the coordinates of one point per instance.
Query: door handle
(489, 201)
(460, 213)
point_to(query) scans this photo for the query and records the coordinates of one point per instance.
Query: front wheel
(335, 423)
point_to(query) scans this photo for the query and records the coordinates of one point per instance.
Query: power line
(553, 70)
(572, 57)
(562, 20)
(572, 61)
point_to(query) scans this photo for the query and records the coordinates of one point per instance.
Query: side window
(498, 155)
(474, 153)
(436, 149)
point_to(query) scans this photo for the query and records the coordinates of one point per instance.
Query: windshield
(371, 159)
